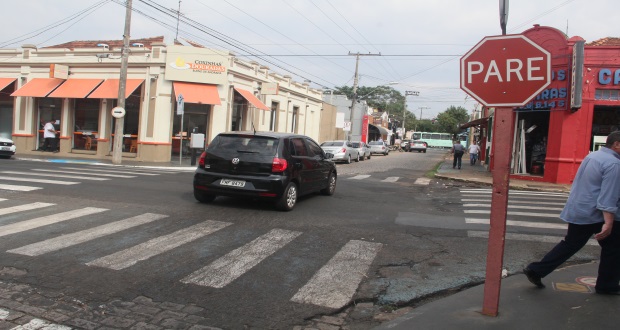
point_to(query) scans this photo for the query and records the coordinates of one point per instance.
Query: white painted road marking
(38, 180)
(516, 192)
(146, 250)
(336, 282)
(60, 242)
(526, 237)
(47, 220)
(510, 201)
(359, 177)
(88, 173)
(55, 175)
(391, 179)
(529, 214)
(524, 207)
(24, 207)
(226, 269)
(422, 181)
(35, 324)
(516, 223)
(108, 171)
(18, 188)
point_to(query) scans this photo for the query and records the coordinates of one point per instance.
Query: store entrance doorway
(530, 147)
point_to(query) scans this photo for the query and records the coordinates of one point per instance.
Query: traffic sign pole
(499, 204)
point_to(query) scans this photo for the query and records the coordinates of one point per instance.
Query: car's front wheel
(203, 197)
(358, 158)
(288, 199)
(331, 185)
(348, 161)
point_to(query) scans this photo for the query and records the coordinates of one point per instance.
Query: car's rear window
(331, 144)
(375, 143)
(244, 144)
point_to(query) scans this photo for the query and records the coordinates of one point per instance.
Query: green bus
(434, 140)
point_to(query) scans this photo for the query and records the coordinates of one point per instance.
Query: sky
(411, 45)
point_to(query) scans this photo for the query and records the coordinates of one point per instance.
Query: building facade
(76, 84)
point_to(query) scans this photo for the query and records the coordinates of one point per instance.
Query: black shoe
(533, 277)
(608, 292)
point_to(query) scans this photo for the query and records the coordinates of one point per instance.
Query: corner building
(76, 84)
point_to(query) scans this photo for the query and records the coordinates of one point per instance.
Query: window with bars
(607, 94)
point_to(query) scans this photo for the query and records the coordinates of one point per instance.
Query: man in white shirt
(474, 151)
(49, 134)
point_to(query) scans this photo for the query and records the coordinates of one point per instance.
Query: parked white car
(7, 148)
(362, 150)
(342, 150)
(379, 147)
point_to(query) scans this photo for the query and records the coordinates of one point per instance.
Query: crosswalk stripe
(515, 223)
(391, 179)
(510, 201)
(525, 237)
(24, 207)
(359, 177)
(18, 188)
(3, 199)
(529, 214)
(47, 220)
(38, 180)
(422, 181)
(61, 242)
(226, 269)
(336, 282)
(87, 173)
(513, 192)
(151, 248)
(39, 324)
(524, 207)
(109, 171)
(55, 175)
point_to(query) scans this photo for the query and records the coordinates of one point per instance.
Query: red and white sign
(505, 71)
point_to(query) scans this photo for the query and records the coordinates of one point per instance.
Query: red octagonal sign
(505, 71)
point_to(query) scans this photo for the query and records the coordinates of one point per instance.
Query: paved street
(88, 246)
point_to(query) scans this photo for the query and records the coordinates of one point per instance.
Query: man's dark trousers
(576, 237)
(458, 155)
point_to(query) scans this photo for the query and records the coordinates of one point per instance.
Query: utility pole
(407, 93)
(419, 119)
(117, 152)
(355, 81)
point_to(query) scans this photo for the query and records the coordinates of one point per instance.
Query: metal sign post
(181, 111)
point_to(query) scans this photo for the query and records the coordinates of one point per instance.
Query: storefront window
(607, 94)
(240, 107)
(49, 108)
(531, 142)
(195, 120)
(130, 124)
(86, 124)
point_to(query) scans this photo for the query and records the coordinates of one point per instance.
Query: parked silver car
(343, 151)
(362, 150)
(379, 147)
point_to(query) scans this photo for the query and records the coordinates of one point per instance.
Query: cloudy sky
(420, 41)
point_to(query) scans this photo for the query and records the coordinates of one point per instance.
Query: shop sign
(555, 97)
(59, 71)
(270, 89)
(199, 65)
(608, 77)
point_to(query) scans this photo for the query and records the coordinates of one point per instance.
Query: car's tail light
(278, 165)
(201, 162)
(343, 150)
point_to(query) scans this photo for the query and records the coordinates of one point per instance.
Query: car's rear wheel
(331, 185)
(288, 199)
(424, 151)
(203, 197)
(348, 159)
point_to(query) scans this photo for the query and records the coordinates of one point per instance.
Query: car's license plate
(232, 183)
(6, 148)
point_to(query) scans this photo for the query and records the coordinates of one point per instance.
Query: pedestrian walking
(474, 151)
(49, 135)
(458, 150)
(592, 208)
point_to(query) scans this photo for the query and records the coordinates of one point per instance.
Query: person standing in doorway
(49, 134)
(474, 151)
(458, 150)
(592, 208)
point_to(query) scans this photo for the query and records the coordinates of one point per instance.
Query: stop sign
(505, 71)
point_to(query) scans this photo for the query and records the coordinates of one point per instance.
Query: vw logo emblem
(235, 161)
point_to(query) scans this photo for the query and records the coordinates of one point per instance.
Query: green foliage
(450, 120)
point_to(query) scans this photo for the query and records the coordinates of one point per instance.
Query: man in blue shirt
(592, 208)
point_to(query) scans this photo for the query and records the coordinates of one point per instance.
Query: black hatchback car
(275, 166)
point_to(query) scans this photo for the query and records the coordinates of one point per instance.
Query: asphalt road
(389, 237)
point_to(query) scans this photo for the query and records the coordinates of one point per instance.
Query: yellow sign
(571, 287)
(199, 65)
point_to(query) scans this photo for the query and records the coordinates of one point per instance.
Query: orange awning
(109, 88)
(76, 88)
(38, 87)
(5, 82)
(252, 99)
(197, 93)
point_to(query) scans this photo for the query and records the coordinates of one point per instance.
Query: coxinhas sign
(200, 65)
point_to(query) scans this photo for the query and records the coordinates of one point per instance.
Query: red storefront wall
(570, 130)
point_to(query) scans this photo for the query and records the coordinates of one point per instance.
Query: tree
(450, 120)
